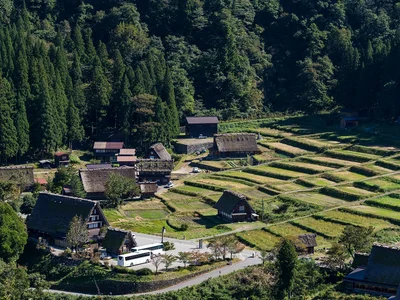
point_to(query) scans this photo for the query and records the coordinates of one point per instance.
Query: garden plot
(376, 212)
(344, 176)
(318, 181)
(273, 133)
(171, 195)
(288, 187)
(318, 199)
(309, 144)
(329, 161)
(349, 218)
(323, 228)
(303, 167)
(250, 177)
(224, 183)
(197, 190)
(275, 172)
(382, 184)
(395, 178)
(351, 155)
(259, 238)
(379, 169)
(385, 202)
(191, 205)
(356, 191)
(254, 194)
(285, 149)
(392, 164)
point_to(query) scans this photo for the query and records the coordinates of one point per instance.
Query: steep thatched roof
(148, 187)
(236, 142)
(308, 239)
(53, 213)
(94, 180)
(22, 175)
(229, 200)
(201, 120)
(161, 151)
(383, 265)
(155, 166)
(115, 238)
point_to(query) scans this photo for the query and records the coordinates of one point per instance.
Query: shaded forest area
(71, 70)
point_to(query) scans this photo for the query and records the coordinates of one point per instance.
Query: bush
(169, 246)
(184, 227)
(28, 202)
(144, 272)
(74, 160)
(364, 171)
(333, 192)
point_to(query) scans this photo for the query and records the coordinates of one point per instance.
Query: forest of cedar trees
(70, 70)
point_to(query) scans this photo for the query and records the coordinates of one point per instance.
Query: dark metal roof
(202, 120)
(229, 200)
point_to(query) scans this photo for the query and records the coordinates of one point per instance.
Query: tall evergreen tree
(160, 119)
(75, 128)
(286, 262)
(169, 98)
(125, 107)
(79, 43)
(22, 125)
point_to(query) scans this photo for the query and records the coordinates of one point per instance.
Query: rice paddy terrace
(313, 182)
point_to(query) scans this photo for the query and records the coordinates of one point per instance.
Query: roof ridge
(67, 197)
(111, 168)
(15, 167)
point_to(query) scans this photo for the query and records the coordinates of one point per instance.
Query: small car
(170, 184)
(202, 136)
(196, 170)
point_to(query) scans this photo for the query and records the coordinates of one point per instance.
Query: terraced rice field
(379, 169)
(386, 201)
(326, 229)
(259, 238)
(351, 155)
(319, 181)
(254, 194)
(286, 149)
(278, 171)
(190, 205)
(318, 199)
(332, 162)
(376, 212)
(347, 176)
(302, 165)
(197, 190)
(288, 187)
(170, 195)
(382, 183)
(255, 178)
(348, 218)
(223, 183)
(356, 191)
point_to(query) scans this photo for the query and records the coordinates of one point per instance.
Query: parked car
(202, 136)
(196, 170)
(104, 256)
(170, 185)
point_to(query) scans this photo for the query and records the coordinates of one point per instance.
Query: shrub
(184, 227)
(364, 171)
(28, 202)
(368, 186)
(388, 165)
(340, 194)
(144, 272)
(73, 159)
(169, 246)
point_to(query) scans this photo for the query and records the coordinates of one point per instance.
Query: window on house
(241, 208)
(94, 225)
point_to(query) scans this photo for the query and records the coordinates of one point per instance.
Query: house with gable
(235, 145)
(307, 243)
(105, 151)
(158, 151)
(234, 207)
(53, 213)
(155, 170)
(201, 126)
(118, 241)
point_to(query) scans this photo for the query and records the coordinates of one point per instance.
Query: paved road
(248, 261)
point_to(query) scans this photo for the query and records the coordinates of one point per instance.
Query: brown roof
(161, 151)
(126, 158)
(148, 187)
(94, 180)
(202, 120)
(22, 175)
(108, 145)
(155, 165)
(41, 181)
(127, 152)
(236, 142)
(60, 153)
(308, 239)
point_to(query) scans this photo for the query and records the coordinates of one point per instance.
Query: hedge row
(305, 183)
(335, 193)
(347, 155)
(365, 214)
(237, 177)
(388, 164)
(183, 192)
(205, 186)
(288, 166)
(166, 203)
(376, 203)
(322, 162)
(296, 202)
(328, 219)
(267, 174)
(208, 167)
(332, 177)
(371, 150)
(365, 185)
(306, 145)
(242, 181)
(364, 171)
(267, 190)
(309, 229)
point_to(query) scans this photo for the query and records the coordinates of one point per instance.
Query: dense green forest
(71, 70)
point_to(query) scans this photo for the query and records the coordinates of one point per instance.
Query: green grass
(259, 238)
(380, 184)
(225, 183)
(376, 211)
(190, 205)
(197, 190)
(351, 155)
(327, 229)
(288, 187)
(379, 169)
(386, 202)
(286, 149)
(144, 226)
(151, 214)
(112, 214)
(347, 176)
(302, 167)
(170, 195)
(279, 171)
(355, 191)
(318, 199)
(255, 178)
(318, 181)
(329, 161)
(255, 194)
(353, 219)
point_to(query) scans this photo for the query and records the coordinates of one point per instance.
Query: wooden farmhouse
(201, 126)
(148, 189)
(348, 118)
(61, 159)
(105, 151)
(381, 276)
(235, 145)
(53, 213)
(94, 180)
(118, 241)
(126, 157)
(21, 175)
(234, 207)
(158, 151)
(307, 243)
(155, 170)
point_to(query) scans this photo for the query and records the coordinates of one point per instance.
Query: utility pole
(162, 234)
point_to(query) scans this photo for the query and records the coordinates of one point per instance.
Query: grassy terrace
(318, 181)
(328, 161)
(274, 172)
(344, 176)
(318, 199)
(260, 239)
(385, 202)
(376, 212)
(320, 227)
(351, 155)
(285, 149)
(250, 177)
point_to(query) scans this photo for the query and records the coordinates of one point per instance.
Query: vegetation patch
(342, 193)
(195, 189)
(351, 155)
(327, 161)
(377, 185)
(300, 167)
(309, 144)
(288, 187)
(315, 181)
(224, 179)
(385, 202)
(249, 177)
(372, 150)
(389, 164)
(274, 172)
(364, 170)
(326, 229)
(318, 199)
(343, 176)
(375, 212)
(259, 239)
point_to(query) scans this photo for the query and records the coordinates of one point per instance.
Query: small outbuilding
(155, 170)
(308, 242)
(45, 164)
(234, 207)
(235, 145)
(349, 122)
(118, 241)
(148, 189)
(105, 151)
(158, 151)
(61, 159)
(201, 126)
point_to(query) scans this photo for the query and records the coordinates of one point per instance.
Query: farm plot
(355, 191)
(351, 155)
(382, 184)
(259, 238)
(349, 218)
(301, 167)
(318, 181)
(392, 164)
(191, 205)
(254, 194)
(288, 187)
(328, 161)
(318, 199)
(344, 176)
(197, 190)
(273, 133)
(323, 228)
(171, 195)
(285, 149)
(376, 212)
(250, 177)
(224, 183)
(308, 144)
(385, 202)
(379, 169)
(275, 172)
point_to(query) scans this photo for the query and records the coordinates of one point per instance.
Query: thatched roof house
(382, 274)
(308, 241)
(21, 175)
(148, 189)
(118, 241)
(158, 151)
(234, 207)
(155, 170)
(235, 144)
(94, 180)
(205, 126)
(53, 213)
